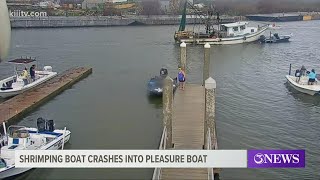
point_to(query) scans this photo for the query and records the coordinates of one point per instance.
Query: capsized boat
(15, 85)
(155, 84)
(44, 137)
(275, 38)
(299, 81)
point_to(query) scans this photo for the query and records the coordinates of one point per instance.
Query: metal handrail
(211, 146)
(162, 146)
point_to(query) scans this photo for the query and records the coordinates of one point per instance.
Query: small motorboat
(15, 84)
(44, 137)
(275, 38)
(155, 84)
(300, 82)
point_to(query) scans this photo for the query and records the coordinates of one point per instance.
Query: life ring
(244, 38)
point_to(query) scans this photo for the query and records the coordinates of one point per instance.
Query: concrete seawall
(96, 21)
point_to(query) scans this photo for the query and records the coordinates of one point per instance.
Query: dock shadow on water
(156, 101)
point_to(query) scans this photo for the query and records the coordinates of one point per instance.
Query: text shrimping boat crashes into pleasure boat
(44, 137)
(15, 84)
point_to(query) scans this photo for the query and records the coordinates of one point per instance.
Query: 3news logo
(276, 158)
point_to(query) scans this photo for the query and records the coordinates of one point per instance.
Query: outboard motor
(276, 35)
(163, 72)
(262, 38)
(50, 125)
(41, 124)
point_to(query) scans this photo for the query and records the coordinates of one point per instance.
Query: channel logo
(276, 158)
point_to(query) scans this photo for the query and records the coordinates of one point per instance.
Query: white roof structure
(236, 24)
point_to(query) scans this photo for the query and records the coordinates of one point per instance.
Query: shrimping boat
(300, 81)
(229, 33)
(17, 84)
(44, 137)
(155, 84)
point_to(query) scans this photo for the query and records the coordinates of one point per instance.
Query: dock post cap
(210, 83)
(207, 45)
(183, 44)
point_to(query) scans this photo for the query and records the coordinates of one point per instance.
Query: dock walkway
(189, 121)
(19, 105)
(187, 129)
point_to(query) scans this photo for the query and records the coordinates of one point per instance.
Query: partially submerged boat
(299, 81)
(275, 38)
(230, 33)
(15, 84)
(44, 137)
(155, 84)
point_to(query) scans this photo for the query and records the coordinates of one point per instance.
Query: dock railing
(211, 146)
(162, 146)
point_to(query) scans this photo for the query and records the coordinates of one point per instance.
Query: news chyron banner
(160, 158)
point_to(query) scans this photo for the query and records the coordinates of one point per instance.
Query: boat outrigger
(44, 137)
(15, 84)
(231, 33)
(301, 82)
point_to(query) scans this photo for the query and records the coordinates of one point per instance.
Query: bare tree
(151, 7)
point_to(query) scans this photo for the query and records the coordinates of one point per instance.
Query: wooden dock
(189, 121)
(22, 104)
(187, 129)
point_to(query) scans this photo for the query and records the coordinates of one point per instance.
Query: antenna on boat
(4, 128)
(64, 134)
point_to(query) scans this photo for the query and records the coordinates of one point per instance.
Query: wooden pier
(189, 122)
(19, 105)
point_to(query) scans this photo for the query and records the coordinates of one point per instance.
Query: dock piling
(206, 64)
(183, 56)
(209, 118)
(167, 100)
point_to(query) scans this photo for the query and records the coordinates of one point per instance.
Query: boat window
(252, 30)
(242, 27)
(235, 29)
(18, 132)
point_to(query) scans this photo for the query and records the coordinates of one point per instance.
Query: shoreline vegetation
(156, 7)
(245, 7)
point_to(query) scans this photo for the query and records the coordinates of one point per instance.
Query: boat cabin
(237, 29)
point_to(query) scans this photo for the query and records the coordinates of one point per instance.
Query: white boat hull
(54, 145)
(225, 41)
(13, 172)
(307, 89)
(16, 91)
